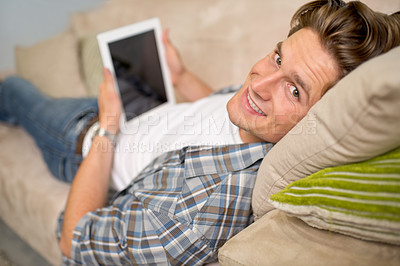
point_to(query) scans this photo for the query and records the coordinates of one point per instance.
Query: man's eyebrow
(299, 81)
(296, 76)
(279, 49)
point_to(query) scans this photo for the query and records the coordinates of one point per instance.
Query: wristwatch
(102, 132)
(95, 130)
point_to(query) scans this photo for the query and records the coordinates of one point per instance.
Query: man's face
(282, 87)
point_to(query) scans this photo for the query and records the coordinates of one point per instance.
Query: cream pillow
(91, 64)
(356, 120)
(52, 65)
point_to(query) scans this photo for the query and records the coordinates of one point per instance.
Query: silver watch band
(95, 130)
(102, 132)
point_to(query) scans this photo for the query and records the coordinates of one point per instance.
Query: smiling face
(282, 87)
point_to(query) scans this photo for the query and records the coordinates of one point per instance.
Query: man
(188, 202)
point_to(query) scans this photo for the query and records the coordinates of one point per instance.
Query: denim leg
(55, 124)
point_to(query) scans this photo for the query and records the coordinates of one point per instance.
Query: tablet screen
(138, 73)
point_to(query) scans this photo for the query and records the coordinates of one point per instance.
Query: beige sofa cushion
(356, 120)
(52, 65)
(31, 198)
(278, 239)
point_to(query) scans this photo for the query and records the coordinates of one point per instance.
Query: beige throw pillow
(91, 64)
(52, 65)
(356, 120)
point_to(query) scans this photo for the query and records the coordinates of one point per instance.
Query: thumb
(108, 78)
(165, 37)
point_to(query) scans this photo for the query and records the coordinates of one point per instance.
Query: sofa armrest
(278, 239)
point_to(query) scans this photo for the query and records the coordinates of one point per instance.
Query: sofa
(220, 40)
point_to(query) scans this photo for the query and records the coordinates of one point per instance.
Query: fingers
(167, 42)
(107, 86)
(109, 103)
(165, 38)
(108, 78)
(108, 81)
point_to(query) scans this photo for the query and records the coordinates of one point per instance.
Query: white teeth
(254, 106)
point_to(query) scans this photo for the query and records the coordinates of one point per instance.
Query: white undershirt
(171, 127)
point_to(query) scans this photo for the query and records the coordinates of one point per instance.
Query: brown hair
(351, 32)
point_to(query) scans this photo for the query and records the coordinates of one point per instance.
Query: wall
(25, 22)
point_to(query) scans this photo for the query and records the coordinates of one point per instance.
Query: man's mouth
(254, 106)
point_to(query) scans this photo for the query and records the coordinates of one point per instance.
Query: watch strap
(95, 130)
(103, 132)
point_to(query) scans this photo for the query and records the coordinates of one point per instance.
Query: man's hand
(109, 104)
(189, 85)
(174, 61)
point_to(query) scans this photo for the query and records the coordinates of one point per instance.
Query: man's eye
(278, 60)
(295, 92)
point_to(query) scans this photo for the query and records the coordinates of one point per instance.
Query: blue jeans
(55, 124)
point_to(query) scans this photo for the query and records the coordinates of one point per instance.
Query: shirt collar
(200, 160)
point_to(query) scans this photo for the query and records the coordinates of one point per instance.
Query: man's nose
(266, 85)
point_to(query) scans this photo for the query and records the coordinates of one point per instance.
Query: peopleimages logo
(209, 125)
(195, 124)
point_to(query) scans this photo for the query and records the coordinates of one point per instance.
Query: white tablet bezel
(128, 31)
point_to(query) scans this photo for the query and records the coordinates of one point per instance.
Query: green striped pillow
(361, 200)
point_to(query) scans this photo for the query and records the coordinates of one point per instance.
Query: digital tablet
(135, 56)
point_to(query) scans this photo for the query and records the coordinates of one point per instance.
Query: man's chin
(248, 137)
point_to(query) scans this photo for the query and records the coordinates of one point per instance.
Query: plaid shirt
(178, 211)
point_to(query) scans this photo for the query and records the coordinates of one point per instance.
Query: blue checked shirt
(178, 211)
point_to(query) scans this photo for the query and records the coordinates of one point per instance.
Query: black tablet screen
(138, 72)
